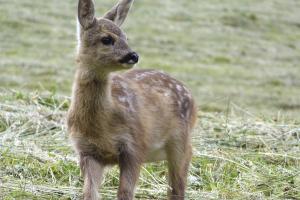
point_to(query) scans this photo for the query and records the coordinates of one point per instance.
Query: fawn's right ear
(86, 13)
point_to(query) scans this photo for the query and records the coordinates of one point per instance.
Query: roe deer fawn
(125, 118)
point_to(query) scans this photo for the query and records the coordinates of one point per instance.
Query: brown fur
(125, 118)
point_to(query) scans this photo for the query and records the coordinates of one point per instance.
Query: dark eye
(107, 40)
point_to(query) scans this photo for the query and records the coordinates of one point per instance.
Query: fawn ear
(86, 13)
(119, 12)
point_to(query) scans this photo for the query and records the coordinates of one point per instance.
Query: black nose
(134, 57)
(131, 58)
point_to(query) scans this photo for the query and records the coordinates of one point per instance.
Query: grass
(240, 58)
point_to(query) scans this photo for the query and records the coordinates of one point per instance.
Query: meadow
(239, 57)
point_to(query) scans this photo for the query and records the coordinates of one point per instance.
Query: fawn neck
(91, 95)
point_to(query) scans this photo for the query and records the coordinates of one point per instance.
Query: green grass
(240, 58)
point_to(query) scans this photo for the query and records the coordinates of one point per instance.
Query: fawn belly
(156, 155)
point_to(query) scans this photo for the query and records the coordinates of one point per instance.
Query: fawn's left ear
(119, 12)
(86, 13)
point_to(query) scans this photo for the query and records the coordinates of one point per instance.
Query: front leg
(129, 173)
(92, 173)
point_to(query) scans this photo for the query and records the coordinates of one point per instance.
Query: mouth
(127, 65)
(131, 62)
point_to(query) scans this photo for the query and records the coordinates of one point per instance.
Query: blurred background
(239, 57)
(245, 52)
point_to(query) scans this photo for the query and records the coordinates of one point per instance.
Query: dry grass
(236, 156)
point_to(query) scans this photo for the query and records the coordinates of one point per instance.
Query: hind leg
(179, 157)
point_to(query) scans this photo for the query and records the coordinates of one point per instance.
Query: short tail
(193, 115)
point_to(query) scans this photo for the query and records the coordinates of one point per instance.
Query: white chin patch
(131, 62)
(126, 65)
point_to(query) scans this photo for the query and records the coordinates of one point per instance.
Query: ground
(239, 58)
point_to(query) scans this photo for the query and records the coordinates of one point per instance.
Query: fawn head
(102, 45)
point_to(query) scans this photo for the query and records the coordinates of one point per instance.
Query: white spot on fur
(139, 76)
(162, 76)
(122, 99)
(185, 88)
(128, 97)
(179, 102)
(186, 94)
(123, 84)
(178, 87)
(186, 105)
(145, 75)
